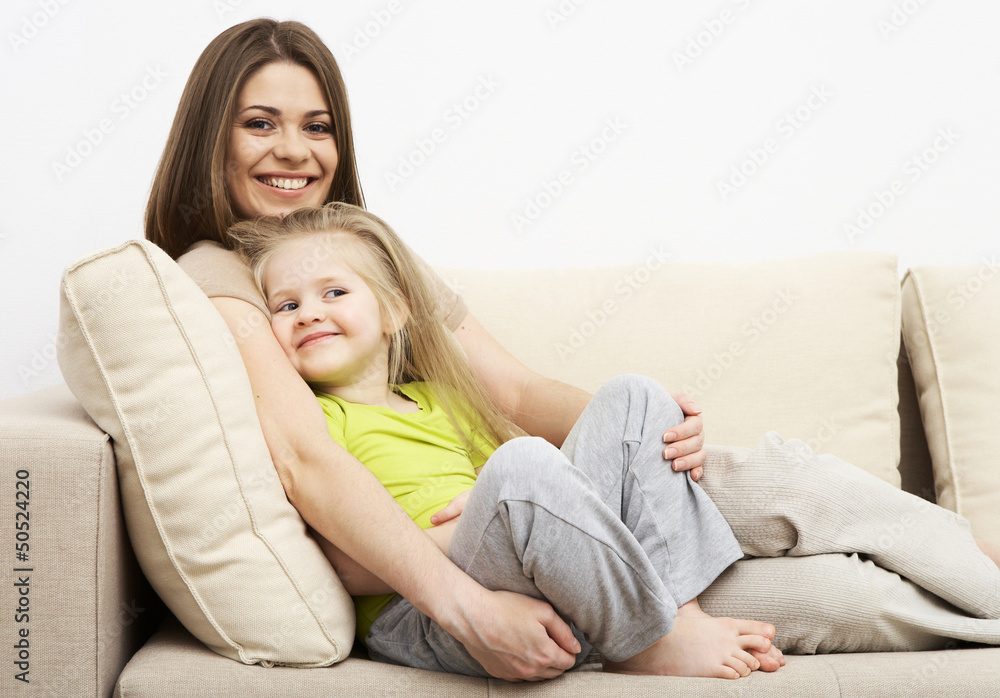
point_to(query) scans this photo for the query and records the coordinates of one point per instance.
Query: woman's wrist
(453, 601)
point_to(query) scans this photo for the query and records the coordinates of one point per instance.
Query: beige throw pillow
(806, 347)
(951, 326)
(155, 366)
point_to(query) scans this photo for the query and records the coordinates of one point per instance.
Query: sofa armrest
(78, 604)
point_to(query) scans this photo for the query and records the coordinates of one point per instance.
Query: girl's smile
(317, 337)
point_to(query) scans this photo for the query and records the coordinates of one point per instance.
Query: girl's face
(282, 153)
(324, 315)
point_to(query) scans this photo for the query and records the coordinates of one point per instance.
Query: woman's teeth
(284, 183)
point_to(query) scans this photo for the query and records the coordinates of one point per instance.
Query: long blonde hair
(189, 200)
(421, 348)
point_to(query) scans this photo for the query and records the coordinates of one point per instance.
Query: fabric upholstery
(813, 369)
(951, 326)
(87, 604)
(779, 345)
(155, 366)
(174, 664)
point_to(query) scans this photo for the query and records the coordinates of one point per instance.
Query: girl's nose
(309, 313)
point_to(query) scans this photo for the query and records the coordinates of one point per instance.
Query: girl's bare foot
(701, 645)
(771, 660)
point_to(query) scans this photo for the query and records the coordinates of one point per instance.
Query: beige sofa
(808, 347)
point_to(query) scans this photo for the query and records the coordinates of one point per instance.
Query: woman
(263, 128)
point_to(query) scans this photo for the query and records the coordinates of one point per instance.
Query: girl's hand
(686, 441)
(452, 511)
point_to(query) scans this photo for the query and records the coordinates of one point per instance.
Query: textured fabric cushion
(84, 588)
(174, 665)
(807, 347)
(155, 366)
(951, 326)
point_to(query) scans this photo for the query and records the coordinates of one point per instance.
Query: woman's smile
(285, 183)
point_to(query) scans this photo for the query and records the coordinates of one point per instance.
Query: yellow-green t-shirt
(418, 456)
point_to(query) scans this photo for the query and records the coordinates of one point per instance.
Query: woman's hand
(515, 637)
(452, 511)
(686, 441)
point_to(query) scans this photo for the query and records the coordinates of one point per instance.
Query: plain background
(534, 134)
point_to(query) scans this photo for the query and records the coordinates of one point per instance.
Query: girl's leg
(535, 525)
(618, 443)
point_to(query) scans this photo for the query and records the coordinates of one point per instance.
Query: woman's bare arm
(512, 636)
(548, 408)
(541, 406)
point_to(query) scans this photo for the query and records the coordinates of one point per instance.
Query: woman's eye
(257, 124)
(319, 128)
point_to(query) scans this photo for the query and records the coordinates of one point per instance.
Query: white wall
(874, 85)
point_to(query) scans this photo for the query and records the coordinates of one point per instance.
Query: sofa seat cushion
(153, 363)
(173, 664)
(951, 326)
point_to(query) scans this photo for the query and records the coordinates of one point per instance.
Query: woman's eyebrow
(274, 111)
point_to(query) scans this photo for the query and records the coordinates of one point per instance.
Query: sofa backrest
(806, 347)
(951, 326)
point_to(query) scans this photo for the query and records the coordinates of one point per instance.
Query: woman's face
(282, 154)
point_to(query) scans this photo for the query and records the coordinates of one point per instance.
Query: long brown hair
(421, 348)
(189, 201)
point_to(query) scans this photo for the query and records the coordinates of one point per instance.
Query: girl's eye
(290, 305)
(334, 293)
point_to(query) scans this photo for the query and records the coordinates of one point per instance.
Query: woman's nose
(291, 146)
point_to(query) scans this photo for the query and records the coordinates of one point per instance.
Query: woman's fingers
(686, 441)
(685, 444)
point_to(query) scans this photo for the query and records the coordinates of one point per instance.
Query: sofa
(157, 556)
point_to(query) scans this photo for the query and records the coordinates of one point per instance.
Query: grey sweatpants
(603, 529)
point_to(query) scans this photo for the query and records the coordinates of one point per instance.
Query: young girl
(606, 531)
